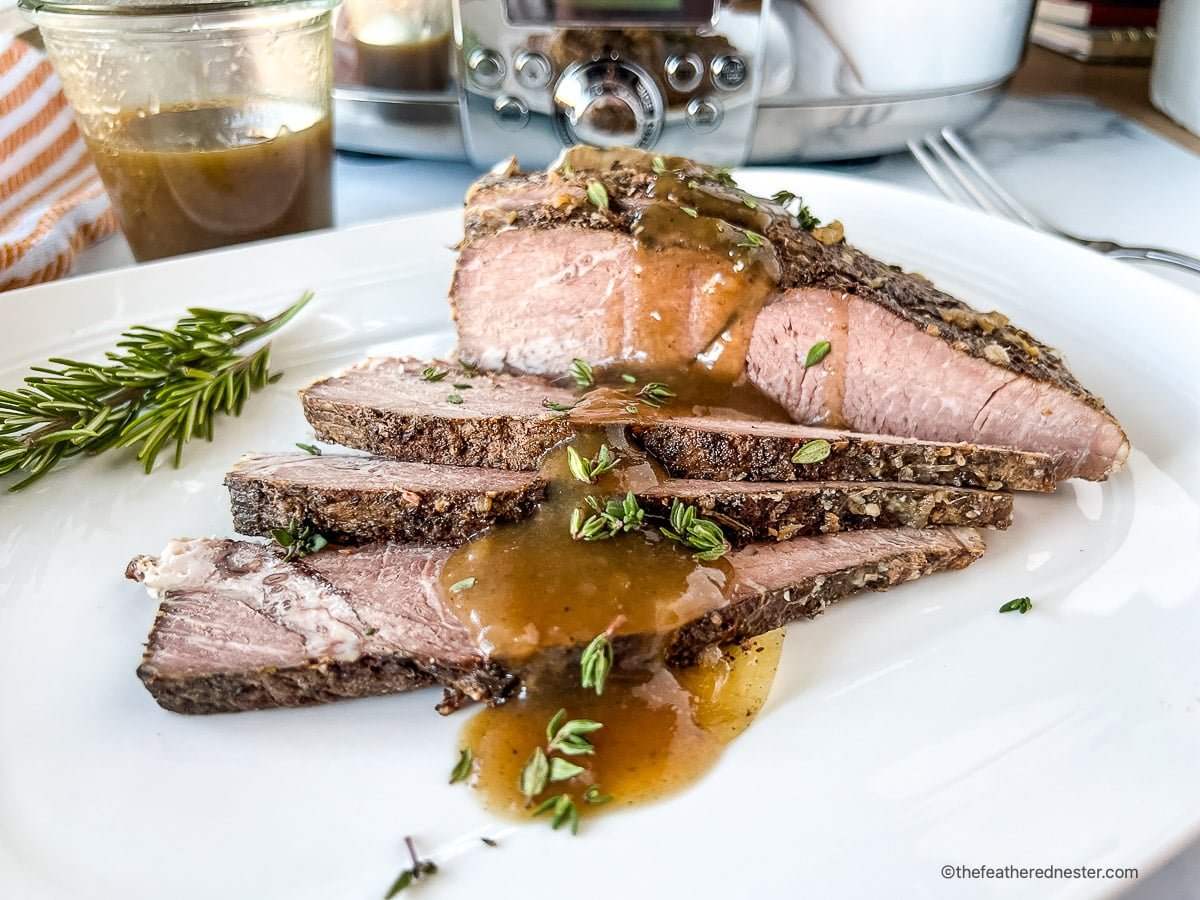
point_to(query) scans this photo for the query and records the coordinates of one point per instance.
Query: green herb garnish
(750, 202)
(655, 394)
(429, 373)
(455, 399)
(420, 869)
(298, 540)
(659, 165)
(564, 809)
(812, 452)
(608, 520)
(816, 353)
(593, 796)
(568, 736)
(465, 585)
(1021, 605)
(311, 449)
(468, 367)
(535, 774)
(752, 239)
(562, 770)
(628, 379)
(582, 373)
(558, 407)
(702, 535)
(158, 387)
(691, 211)
(597, 194)
(596, 662)
(463, 767)
(807, 220)
(463, 387)
(588, 470)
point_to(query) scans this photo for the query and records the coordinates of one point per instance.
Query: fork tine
(968, 184)
(947, 186)
(1014, 207)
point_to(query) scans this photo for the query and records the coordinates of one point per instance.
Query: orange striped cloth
(52, 203)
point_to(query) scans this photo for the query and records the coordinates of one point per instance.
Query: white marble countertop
(1078, 165)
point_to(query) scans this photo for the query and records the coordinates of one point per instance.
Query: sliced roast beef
(359, 499)
(240, 628)
(546, 273)
(723, 450)
(439, 412)
(384, 407)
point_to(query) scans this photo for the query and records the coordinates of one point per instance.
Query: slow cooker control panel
(680, 79)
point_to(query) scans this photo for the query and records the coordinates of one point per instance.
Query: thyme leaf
(455, 399)
(816, 353)
(463, 767)
(582, 373)
(596, 663)
(298, 540)
(786, 199)
(311, 449)
(752, 239)
(562, 770)
(659, 165)
(593, 796)
(420, 869)
(465, 585)
(1021, 605)
(812, 452)
(535, 774)
(691, 211)
(429, 373)
(558, 407)
(565, 812)
(597, 194)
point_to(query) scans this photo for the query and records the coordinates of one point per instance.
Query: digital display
(610, 12)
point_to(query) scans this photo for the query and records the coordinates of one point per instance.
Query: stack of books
(1097, 30)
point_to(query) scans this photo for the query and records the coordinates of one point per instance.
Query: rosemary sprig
(588, 470)
(157, 388)
(702, 535)
(596, 663)
(298, 540)
(582, 373)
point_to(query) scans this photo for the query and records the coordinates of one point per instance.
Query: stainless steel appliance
(725, 81)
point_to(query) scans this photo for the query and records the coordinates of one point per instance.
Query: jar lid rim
(148, 8)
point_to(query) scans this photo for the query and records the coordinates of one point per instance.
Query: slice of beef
(383, 407)
(239, 628)
(360, 499)
(723, 450)
(467, 418)
(906, 358)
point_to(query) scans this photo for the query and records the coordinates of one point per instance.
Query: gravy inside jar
(185, 179)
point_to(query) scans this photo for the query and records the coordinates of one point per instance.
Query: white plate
(906, 731)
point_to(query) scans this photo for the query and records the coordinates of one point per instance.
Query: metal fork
(959, 174)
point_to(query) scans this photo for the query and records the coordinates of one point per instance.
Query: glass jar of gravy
(209, 121)
(402, 45)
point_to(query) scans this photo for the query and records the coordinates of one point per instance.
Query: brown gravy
(533, 595)
(189, 179)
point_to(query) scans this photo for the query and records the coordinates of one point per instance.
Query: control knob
(608, 103)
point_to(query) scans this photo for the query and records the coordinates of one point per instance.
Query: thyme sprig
(159, 387)
(609, 519)
(565, 812)
(298, 540)
(596, 663)
(655, 394)
(588, 470)
(702, 535)
(421, 868)
(568, 736)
